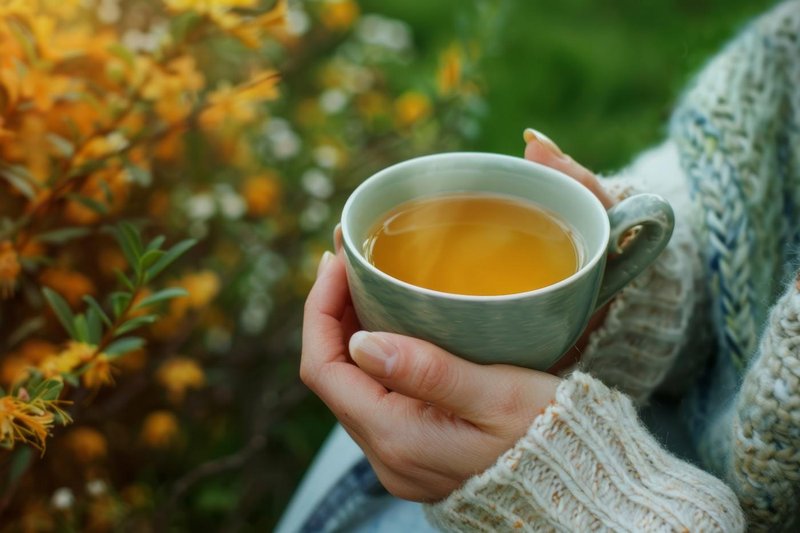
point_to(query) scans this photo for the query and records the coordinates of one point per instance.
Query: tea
(473, 244)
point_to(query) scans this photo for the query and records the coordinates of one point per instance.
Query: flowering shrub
(169, 175)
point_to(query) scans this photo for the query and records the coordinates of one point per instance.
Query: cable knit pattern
(765, 469)
(737, 130)
(587, 464)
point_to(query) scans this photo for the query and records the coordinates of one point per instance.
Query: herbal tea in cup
(475, 244)
(456, 249)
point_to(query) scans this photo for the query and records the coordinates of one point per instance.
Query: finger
(323, 339)
(541, 149)
(477, 393)
(337, 237)
(325, 366)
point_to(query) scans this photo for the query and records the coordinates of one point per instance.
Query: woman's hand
(426, 420)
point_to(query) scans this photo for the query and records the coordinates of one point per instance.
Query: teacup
(534, 328)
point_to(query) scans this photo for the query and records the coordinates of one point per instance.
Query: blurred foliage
(243, 125)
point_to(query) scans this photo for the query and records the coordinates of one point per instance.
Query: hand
(426, 420)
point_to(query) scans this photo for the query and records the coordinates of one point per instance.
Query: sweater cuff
(587, 464)
(649, 322)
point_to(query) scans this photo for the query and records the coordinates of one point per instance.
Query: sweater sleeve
(587, 464)
(655, 333)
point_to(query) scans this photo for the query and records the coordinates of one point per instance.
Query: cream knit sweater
(587, 463)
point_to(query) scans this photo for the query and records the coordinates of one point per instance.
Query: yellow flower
(239, 104)
(450, 65)
(9, 269)
(86, 444)
(68, 360)
(410, 108)
(107, 187)
(160, 429)
(178, 375)
(24, 422)
(262, 193)
(172, 87)
(202, 287)
(208, 6)
(252, 31)
(98, 373)
(69, 284)
(339, 14)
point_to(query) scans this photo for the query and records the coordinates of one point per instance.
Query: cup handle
(654, 216)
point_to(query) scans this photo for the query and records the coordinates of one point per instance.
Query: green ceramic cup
(532, 329)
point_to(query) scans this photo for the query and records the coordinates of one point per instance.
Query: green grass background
(600, 77)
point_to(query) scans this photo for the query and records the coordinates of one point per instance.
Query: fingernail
(531, 135)
(324, 261)
(337, 237)
(373, 354)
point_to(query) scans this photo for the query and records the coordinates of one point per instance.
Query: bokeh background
(244, 125)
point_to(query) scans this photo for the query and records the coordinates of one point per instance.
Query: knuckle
(307, 374)
(510, 403)
(435, 378)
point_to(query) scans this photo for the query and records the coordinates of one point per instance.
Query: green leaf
(122, 346)
(95, 327)
(160, 296)
(64, 147)
(122, 53)
(123, 279)
(131, 234)
(107, 194)
(174, 253)
(182, 24)
(81, 328)
(88, 168)
(139, 175)
(135, 323)
(128, 245)
(61, 309)
(71, 379)
(60, 236)
(119, 301)
(149, 258)
(156, 243)
(20, 179)
(98, 207)
(98, 309)
(50, 389)
(20, 462)
(25, 330)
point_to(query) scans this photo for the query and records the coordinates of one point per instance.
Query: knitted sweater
(587, 463)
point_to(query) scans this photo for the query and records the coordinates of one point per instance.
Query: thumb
(480, 394)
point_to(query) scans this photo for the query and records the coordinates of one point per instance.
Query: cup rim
(466, 156)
